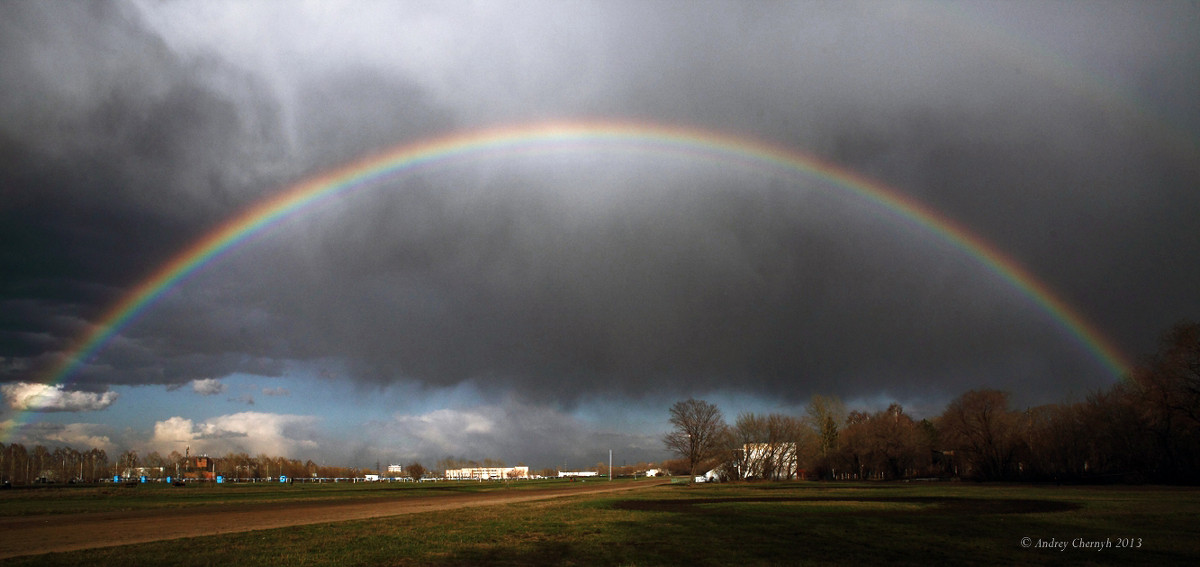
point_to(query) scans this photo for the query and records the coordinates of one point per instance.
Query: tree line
(1145, 428)
(22, 466)
(19, 465)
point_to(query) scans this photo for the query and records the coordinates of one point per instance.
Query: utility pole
(610, 465)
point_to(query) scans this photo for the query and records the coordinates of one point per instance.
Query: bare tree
(769, 447)
(749, 431)
(449, 462)
(1168, 395)
(97, 464)
(262, 464)
(852, 452)
(699, 430)
(980, 425)
(128, 463)
(1171, 379)
(18, 464)
(884, 445)
(823, 415)
(1057, 442)
(155, 463)
(415, 471)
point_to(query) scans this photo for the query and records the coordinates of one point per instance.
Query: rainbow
(544, 136)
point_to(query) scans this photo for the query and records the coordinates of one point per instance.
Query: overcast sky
(547, 308)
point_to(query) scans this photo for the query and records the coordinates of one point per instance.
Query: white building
(770, 461)
(395, 469)
(564, 474)
(487, 473)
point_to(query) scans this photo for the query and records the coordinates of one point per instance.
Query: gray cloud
(208, 386)
(87, 435)
(131, 131)
(508, 430)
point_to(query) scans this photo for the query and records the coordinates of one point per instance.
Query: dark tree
(1166, 391)
(823, 416)
(885, 445)
(699, 431)
(980, 426)
(415, 471)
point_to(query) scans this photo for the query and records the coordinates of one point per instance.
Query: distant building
(565, 474)
(487, 473)
(202, 467)
(769, 461)
(395, 469)
(148, 472)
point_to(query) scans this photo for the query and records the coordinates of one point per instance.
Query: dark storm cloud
(115, 154)
(135, 130)
(118, 151)
(671, 288)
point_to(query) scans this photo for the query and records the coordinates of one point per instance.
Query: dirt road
(33, 535)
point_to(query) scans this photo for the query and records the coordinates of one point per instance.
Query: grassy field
(746, 524)
(70, 499)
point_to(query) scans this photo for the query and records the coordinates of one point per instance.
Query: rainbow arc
(405, 158)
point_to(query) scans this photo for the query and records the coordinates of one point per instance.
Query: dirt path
(34, 535)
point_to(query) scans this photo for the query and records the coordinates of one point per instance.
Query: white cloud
(250, 432)
(173, 431)
(208, 386)
(280, 391)
(45, 397)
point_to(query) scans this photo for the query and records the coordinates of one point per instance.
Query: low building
(769, 461)
(565, 474)
(202, 467)
(488, 473)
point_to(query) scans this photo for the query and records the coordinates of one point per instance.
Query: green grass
(749, 524)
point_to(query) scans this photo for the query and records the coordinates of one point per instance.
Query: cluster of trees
(1145, 428)
(61, 464)
(64, 464)
(243, 466)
